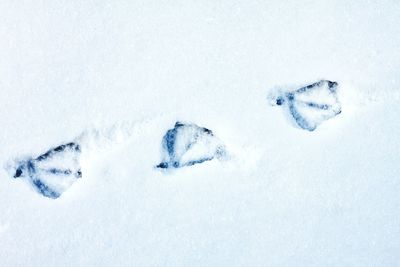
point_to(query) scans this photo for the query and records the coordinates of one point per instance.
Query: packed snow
(253, 187)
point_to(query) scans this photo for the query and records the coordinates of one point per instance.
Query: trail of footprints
(186, 144)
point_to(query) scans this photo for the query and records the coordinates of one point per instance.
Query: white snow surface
(119, 74)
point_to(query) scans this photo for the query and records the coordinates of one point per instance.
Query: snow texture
(118, 74)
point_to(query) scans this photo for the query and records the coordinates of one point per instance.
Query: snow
(118, 74)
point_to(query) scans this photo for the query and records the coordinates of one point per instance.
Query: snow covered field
(119, 74)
